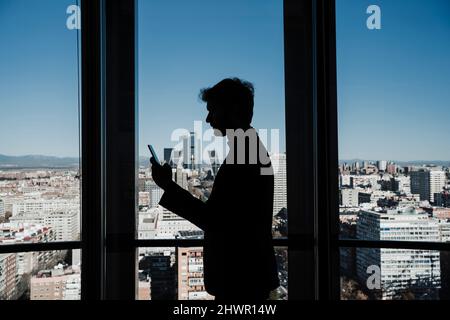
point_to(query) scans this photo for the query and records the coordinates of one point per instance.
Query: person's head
(229, 104)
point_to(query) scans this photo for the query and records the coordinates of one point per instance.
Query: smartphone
(152, 151)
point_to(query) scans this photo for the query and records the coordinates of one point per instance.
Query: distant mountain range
(37, 161)
(445, 163)
(41, 161)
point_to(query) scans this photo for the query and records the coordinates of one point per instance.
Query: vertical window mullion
(327, 152)
(91, 134)
(120, 149)
(299, 146)
(311, 140)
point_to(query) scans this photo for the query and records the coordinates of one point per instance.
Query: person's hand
(162, 175)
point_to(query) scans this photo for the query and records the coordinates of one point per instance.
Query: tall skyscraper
(190, 275)
(168, 156)
(427, 182)
(280, 183)
(192, 148)
(186, 152)
(382, 164)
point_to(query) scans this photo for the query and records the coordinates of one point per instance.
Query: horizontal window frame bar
(393, 244)
(39, 247)
(186, 243)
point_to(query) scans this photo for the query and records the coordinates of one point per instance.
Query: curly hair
(233, 93)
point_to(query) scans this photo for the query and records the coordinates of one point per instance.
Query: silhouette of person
(238, 255)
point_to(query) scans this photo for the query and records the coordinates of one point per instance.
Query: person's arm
(176, 199)
(182, 203)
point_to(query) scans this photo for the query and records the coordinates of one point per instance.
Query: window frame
(92, 159)
(304, 22)
(333, 214)
(110, 160)
(311, 129)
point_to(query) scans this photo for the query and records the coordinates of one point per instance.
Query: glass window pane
(394, 274)
(184, 47)
(44, 275)
(157, 274)
(39, 131)
(177, 274)
(393, 79)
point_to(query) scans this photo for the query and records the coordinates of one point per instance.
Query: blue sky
(393, 83)
(38, 79)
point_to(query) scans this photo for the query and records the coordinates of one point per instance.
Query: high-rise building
(192, 149)
(7, 276)
(427, 182)
(401, 270)
(382, 165)
(280, 183)
(192, 156)
(168, 155)
(180, 177)
(437, 182)
(190, 275)
(349, 197)
(159, 268)
(186, 151)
